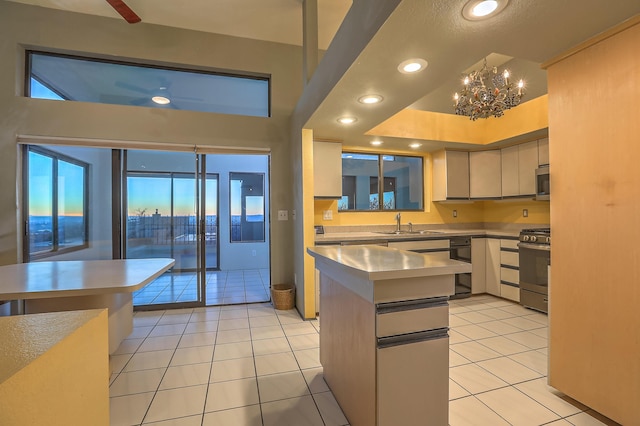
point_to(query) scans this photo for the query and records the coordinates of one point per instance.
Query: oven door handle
(542, 247)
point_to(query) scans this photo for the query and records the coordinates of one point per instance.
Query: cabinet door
(413, 383)
(478, 266)
(485, 174)
(457, 174)
(510, 176)
(327, 169)
(543, 152)
(527, 165)
(493, 266)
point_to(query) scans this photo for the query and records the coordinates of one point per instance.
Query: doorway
(212, 221)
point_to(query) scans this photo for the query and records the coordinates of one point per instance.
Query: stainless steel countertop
(338, 237)
(381, 263)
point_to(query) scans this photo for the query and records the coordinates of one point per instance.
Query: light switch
(283, 215)
(327, 214)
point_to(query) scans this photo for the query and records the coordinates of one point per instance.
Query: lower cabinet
(501, 263)
(478, 265)
(493, 266)
(509, 270)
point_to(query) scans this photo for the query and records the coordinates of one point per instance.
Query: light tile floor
(222, 288)
(252, 365)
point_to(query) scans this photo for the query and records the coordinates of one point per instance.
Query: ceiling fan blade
(133, 87)
(124, 11)
(140, 101)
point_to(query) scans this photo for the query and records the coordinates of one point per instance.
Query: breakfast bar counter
(86, 284)
(384, 343)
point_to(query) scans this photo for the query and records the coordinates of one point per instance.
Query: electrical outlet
(293, 214)
(525, 213)
(283, 215)
(455, 213)
(327, 214)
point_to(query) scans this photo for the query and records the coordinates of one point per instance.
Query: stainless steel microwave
(542, 183)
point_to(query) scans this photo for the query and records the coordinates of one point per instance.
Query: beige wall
(33, 27)
(595, 209)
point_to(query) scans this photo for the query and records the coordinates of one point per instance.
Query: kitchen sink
(407, 232)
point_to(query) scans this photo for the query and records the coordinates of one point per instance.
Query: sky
(41, 92)
(146, 194)
(70, 187)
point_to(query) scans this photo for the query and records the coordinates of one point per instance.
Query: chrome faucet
(398, 217)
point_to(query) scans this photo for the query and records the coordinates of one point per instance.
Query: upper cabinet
(543, 152)
(450, 175)
(518, 166)
(527, 165)
(485, 174)
(510, 172)
(491, 174)
(327, 169)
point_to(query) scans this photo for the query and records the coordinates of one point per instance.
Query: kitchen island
(384, 343)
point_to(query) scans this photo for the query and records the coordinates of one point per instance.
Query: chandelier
(488, 93)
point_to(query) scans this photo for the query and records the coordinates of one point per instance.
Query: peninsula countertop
(41, 280)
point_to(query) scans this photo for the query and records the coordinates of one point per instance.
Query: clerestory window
(74, 78)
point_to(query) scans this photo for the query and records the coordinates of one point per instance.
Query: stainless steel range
(535, 257)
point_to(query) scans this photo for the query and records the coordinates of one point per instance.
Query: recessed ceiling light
(161, 100)
(376, 143)
(411, 66)
(347, 120)
(415, 145)
(476, 10)
(370, 99)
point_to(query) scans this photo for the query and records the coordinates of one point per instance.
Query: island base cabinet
(347, 350)
(413, 383)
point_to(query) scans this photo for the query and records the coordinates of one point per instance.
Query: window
(73, 78)
(247, 207)
(56, 195)
(373, 182)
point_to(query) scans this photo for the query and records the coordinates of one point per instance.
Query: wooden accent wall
(594, 131)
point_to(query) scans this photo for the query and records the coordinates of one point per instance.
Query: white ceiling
(529, 31)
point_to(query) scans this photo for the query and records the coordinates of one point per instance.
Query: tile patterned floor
(223, 288)
(252, 365)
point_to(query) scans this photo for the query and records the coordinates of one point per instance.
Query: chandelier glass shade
(488, 93)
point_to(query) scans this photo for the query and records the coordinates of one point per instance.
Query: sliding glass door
(171, 211)
(209, 212)
(162, 218)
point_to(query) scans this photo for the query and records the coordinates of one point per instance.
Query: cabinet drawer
(509, 292)
(510, 258)
(509, 275)
(412, 320)
(512, 244)
(420, 245)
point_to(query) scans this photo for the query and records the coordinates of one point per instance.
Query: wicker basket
(283, 296)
